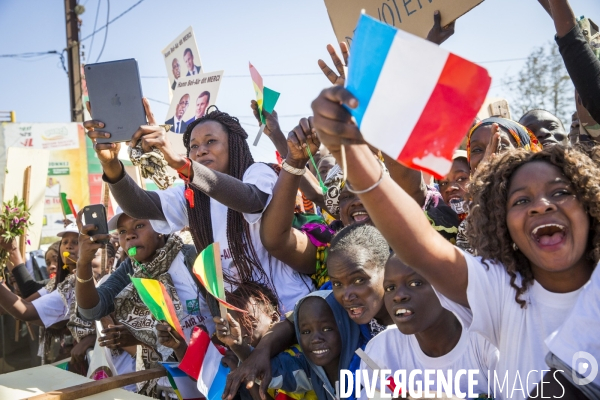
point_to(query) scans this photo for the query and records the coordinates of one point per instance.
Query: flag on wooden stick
(265, 98)
(67, 205)
(154, 295)
(209, 272)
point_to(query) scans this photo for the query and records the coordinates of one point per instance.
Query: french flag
(416, 101)
(202, 361)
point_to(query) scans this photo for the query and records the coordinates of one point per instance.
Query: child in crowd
(328, 339)
(243, 331)
(531, 222)
(426, 336)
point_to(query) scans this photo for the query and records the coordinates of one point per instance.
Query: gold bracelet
(84, 280)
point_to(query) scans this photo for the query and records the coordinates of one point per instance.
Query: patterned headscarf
(522, 135)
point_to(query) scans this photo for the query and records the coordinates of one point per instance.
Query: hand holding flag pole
(265, 97)
(209, 272)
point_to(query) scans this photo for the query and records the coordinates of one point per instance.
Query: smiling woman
(223, 200)
(524, 285)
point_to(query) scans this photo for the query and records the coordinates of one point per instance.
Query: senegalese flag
(154, 295)
(207, 269)
(184, 386)
(67, 205)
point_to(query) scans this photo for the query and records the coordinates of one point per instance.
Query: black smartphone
(95, 214)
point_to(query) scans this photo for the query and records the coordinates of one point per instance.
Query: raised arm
(17, 307)
(278, 236)
(393, 211)
(94, 303)
(581, 62)
(409, 179)
(16, 266)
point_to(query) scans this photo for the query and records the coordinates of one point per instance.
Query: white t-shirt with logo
(393, 350)
(581, 332)
(518, 333)
(291, 286)
(195, 309)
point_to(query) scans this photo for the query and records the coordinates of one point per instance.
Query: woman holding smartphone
(223, 200)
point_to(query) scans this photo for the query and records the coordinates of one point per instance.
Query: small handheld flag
(371, 364)
(202, 361)
(265, 98)
(67, 205)
(154, 295)
(415, 99)
(209, 272)
(185, 388)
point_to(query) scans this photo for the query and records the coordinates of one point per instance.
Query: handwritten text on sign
(414, 16)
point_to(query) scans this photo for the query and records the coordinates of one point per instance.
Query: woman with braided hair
(225, 195)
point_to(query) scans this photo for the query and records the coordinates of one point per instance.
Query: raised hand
(332, 121)
(493, 146)
(301, 137)
(256, 368)
(88, 248)
(153, 135)
(107, 152)
(439, 34)
(228, 331)
(339, 66)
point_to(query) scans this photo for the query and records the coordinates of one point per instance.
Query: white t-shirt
(291, 286)
(517, 333)
(393, 350)
(124, 363)
(195, 309)
(581, 331)
(51, 308)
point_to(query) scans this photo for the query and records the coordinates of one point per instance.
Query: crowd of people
(491, 268)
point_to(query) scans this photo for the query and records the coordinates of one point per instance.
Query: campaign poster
(182, 58)
(191, 98)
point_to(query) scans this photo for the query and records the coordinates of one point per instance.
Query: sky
(277, 36)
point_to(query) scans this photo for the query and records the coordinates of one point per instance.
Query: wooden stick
(26, 187)
(260, 132)
(91, 388)
(23, 239)
(219, 270)
(105, 199)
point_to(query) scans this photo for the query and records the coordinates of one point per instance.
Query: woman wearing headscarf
(486, 139)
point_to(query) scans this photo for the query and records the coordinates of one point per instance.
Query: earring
(515, 247)
(160, 235)
(65, 267)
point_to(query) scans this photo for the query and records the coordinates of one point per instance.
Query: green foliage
(542, 83)
(14, 220)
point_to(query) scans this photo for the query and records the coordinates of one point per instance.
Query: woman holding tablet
(222, 201)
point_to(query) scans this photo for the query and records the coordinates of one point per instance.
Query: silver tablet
(115, 94)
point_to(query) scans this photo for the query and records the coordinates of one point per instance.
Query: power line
(95, 24)
(106, 32)
(112, 20)
(246, 76)
(499, 61)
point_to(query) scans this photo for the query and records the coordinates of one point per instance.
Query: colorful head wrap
(523, 136)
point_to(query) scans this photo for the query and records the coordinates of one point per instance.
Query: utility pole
(75, 90)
